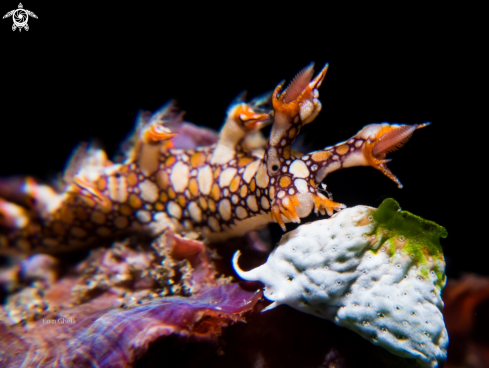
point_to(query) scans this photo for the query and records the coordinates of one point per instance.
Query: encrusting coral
(174, 190)
(377, 272)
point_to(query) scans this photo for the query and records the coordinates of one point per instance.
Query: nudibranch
(220, 191)
(379, 272)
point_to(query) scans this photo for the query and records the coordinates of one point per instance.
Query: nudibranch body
(222, 190)
(379, 272)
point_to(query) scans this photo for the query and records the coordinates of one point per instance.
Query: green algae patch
(412, 235)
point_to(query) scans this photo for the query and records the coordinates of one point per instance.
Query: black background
(83, 71)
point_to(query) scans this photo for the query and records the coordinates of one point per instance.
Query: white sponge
(378, 272)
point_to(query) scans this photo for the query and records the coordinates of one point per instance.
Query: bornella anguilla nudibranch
(221, 191)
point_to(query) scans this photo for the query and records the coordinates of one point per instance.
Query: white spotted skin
(179, 176)
(226, 176)
(299, 169)
(204, 179)
(149, 191)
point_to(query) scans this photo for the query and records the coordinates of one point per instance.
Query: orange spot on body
(171, 193)
(321, 156)
(198, 159)
(286, 152)
(233, 187)
(126, 210)
(212, 206)
(182, 201)
(292, 133)
(343, 149)
(252, 185)
(203, 203)
(163, 197)
(135, 201)
(245, 161)
(194, 187)
(132, 179)
(216, 192)
(170, 161)
(285, 181)
(105, 209)
(159, 206)
(244, 191)
(102, 183)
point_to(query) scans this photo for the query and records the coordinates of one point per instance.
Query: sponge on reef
(378, 272)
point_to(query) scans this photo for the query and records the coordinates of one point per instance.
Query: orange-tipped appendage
(157, 134)
(300, 89)
(251, 120)
(322, 203)
(290, 203)
(286, 207)
(85, 189)
(388, 139)
(277, 216)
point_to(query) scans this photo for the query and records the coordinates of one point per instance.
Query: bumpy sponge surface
(378, 272)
